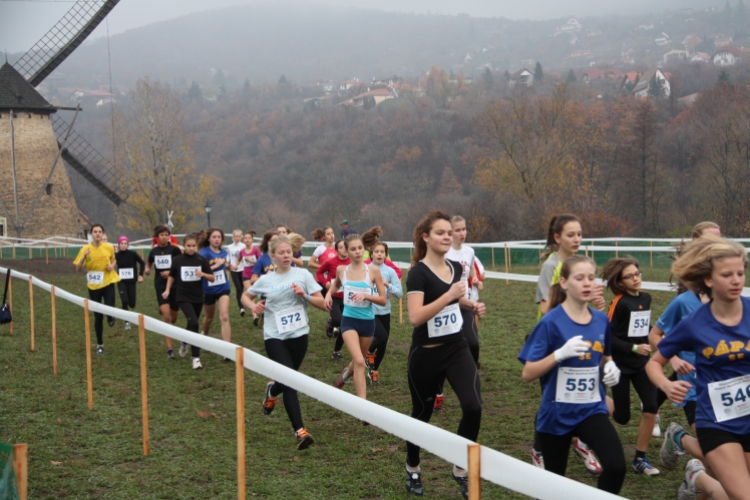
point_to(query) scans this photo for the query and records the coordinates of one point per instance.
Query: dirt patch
(39, 267)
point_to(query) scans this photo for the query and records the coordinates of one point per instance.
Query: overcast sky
(23, 22)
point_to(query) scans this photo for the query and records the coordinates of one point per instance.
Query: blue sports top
(221, 278)
(393, 288)
(361, 310)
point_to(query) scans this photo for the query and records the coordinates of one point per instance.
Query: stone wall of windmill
(35, 152)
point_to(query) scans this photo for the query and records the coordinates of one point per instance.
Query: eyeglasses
(632, 275)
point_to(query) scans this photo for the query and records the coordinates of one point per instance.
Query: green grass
(80, 454)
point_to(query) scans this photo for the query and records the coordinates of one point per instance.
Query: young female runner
(161, 257)
(369, 239)
(249, 255)
(358, 281)
(283, 230)
(566, 350)
(265, 262)
(130, 268)
(326, 274)
(630, 319)
(187, 273)
(98, 258)
(392, 284)
(287, 292)
(718, 333)
(237, 265)
(325, 251)
(218, 290)
(435, 295)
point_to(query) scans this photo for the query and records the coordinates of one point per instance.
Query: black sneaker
(110, 321)
(255, 321)
(170, 354)
(242, 313)
(100, 350)
(329, 329)
(463, 482)
(414, 482)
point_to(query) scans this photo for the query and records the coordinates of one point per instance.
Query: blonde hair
(457, 218)
(696, 262)
(237, 231)
(702, 226)
(277, 240)
(297, 240)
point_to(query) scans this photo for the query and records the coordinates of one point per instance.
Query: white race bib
(126, 274)
(291, 319)
(220, 277)
(163, 262)
(448, 321)
(349, 291)
(640, 322)
(730, 399)
(578, 385)
(189, 273)
(95, 277)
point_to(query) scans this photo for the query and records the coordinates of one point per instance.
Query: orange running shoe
(270, 402)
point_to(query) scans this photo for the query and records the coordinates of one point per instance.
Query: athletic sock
(639, 454)
(678, 439)
(412, 469)
(459, 472)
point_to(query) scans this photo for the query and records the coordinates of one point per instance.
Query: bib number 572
(291, 318)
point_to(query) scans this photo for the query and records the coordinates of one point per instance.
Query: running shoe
(100, 350)
(110, 321)
(643, 466)
(336, 356)
(373, 376)
(657, 427)
(688, 490)
(255, 321)
(197, 364)
(270, 402)
(537, 459)
(127, 325)
(670, 448)
(170, 354)
(438, 406)
(339, 384)
(329, 329)
(370, 359)
(414, 482)
(589, 460)
(463, 482)
(304, 439)
(336, 331)
(242, 312)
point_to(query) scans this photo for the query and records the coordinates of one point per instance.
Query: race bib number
(126, 274)
(349, 292)
(640, 322)
(163, 262)
(95, 277)
(730, 399)
(189, 274)
(220, 278)
(448, 321)
(578, 386)
(291, 319)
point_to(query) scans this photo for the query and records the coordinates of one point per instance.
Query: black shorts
(363, 327)
(689, 410)
(172, 300)
(210, 299)
(710, 439)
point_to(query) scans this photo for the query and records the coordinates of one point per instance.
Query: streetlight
(208, 212)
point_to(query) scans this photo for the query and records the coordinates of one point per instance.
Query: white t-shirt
(319, 250)
(465, 257)
(234, 253)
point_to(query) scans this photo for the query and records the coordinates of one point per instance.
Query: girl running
(218, 290)
(369, 239)
(566, 350)
(161, 257)
(265, 262)
(98, 258)
(326, 274)
(630, 318)
(392, 284)
(287, 293)
(358, 281)
(236, 265)
(283, 230)
(325, 251)
(186, 275)
(130, 268)
(249, 255)
(717, 333)
(435, 295)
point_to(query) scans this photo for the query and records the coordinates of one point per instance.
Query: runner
(326, 274)
(439, 348)
(630, 317)
(392, 284)
(186, 275)
(359, 282)
(265, 262)
(249, 255)
(566, 350)
(218, 290)
(129, 274)
(369, 239)
(161, 257)
(325, 251)
(287, 292)
(237, 265)
(718, 333)
(283, 230)
(98, 258)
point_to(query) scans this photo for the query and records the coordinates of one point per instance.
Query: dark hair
(556, 226)
(336, 245)
(250, 232)
(350, 238)
(200, 237)
(266, 238)
(192, 236)
(424, 227)
(556, 294)
(208, 232)
(370, 237)
(380, 244)
(94, 226)
(612, 273)
(161, 228)
(318, 234)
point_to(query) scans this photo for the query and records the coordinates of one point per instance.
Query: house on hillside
(522, 77)
(571, 25)
(388, 81)
(700, 57)
(688, 99)
(659, 78)
(728, 56)
(662, 39)
(674, 56)
(369, 99)
(593, 74)
(343, 87)
(722, 41)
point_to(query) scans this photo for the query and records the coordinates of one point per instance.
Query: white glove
(611, 374)
(572, 349)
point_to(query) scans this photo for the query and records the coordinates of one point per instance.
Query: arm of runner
(419, 313)
(675, 391)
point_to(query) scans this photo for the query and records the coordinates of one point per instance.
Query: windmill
(34, 137)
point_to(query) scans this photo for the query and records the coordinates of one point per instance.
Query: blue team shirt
(721, 353)
(208, 287)
(264, 265)
(681, 306)
(550, 334)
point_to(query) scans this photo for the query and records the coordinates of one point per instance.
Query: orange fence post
(89, 377)
(144, 384)
(493, 257)
(241, 483)
(21, 465)
(651, 254)
(46, 252)
(401, 311)
(54, 331)
(617, 253)
(474, 471)
(13, 253)
(507, 270)
(31, 310)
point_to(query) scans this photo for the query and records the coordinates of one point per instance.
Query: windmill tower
(36, 198)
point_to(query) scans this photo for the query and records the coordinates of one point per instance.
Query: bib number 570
(445, 320)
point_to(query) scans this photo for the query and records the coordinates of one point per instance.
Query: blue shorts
(363, 327)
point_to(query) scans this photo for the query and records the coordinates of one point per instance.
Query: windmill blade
(60, 41)
(86, 160)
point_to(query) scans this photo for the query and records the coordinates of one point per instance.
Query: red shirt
(328, 253)
(330, 266)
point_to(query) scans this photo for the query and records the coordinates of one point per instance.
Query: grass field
(80, 454)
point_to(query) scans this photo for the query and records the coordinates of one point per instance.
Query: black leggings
(106, 295)
(127, 294)
(380, 340)
(469, 329)
(598, 432)
(289, 353)
(337, 311)
(237, 279)
(621, 395)
(192, 312)
(425, 368)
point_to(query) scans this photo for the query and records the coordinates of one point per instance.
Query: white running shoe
(197, 364)
(537, 459)
(127, 325)
(183, 350)
(589, 460)
(688, 490)
(657, 427)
